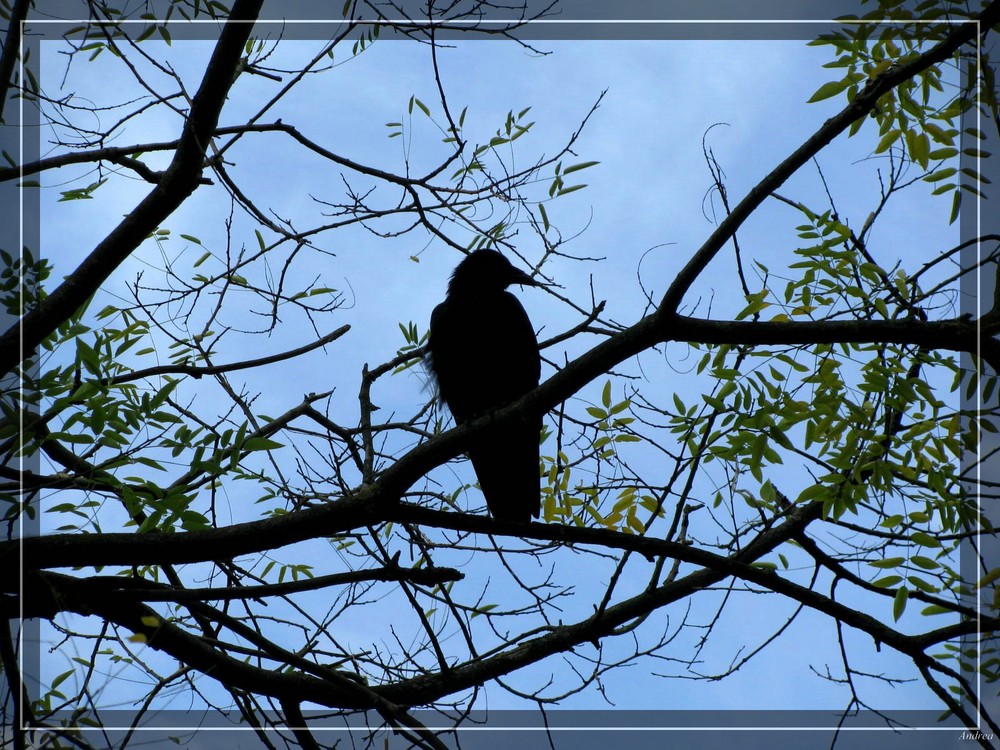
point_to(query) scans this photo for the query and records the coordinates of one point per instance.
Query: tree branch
(197, 372)
(862, 104)
(375, 502)
(11, 48)
(178, 182)
(140, 589)
(68, 594)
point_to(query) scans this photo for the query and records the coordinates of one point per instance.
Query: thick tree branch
(11, 47)
(346, 515)
(18, 692)
(955, 335)
(70, 594)
(297, 723)
(374, 503)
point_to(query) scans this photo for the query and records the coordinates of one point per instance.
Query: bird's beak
(520, 277)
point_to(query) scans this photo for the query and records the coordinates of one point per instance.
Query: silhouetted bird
(484, 354)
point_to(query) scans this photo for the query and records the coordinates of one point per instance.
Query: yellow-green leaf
(887, 140)
(829, 89)
(899, 603)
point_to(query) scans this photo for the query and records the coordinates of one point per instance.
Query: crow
(483, 355)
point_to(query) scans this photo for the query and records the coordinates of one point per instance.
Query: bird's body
(484, 354)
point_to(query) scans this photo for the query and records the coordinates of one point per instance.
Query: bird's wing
(506, 457)
(520, 345)
(449, 362)
(484, 354)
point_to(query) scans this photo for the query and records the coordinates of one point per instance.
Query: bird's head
(486, 271)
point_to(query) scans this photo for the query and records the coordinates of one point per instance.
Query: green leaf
(941, 174)
(924, 540)
(922, 585)
(989, 578)
(919, 146)
(936, 609)
(261, 444)
(940, 135)
(578, 167)
(940, 154)
(899, 603)
(889, 562)
(620, 407)
(956, 204)
(829, 89)
(887, 140)
(545, 217)
(59, 679)
(146, 461)
(483, 610)
(924, 562)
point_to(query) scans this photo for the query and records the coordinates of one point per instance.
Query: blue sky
(643, 211)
